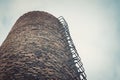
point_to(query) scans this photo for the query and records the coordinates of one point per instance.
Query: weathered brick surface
(35, 50)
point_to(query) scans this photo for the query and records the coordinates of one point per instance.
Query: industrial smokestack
(37, 49)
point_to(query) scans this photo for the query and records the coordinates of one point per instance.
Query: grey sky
(94, 27)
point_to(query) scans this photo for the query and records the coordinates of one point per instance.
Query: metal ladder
(75, 55)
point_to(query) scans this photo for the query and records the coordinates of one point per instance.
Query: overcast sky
(94, 27)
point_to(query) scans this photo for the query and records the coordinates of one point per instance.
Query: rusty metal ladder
(75, 55)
